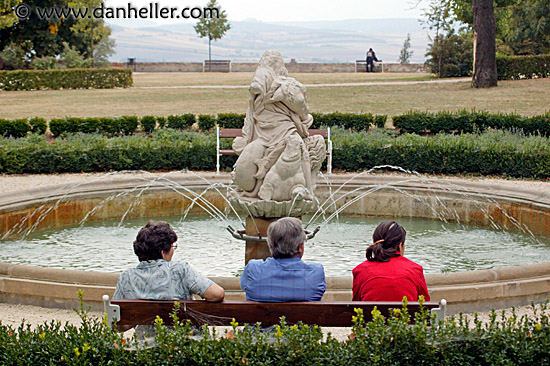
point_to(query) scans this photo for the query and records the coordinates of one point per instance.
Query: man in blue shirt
(284, 276)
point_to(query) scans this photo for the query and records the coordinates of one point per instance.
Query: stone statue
(278, 160)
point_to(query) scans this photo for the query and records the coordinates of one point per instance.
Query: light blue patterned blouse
(161, 280)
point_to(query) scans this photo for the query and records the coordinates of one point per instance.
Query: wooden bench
(216, 66)
(237, 132)
(129, 313)
(361, 65)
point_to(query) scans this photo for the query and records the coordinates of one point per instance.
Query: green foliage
(161, 121)
(128, 124)
(71, 58)
(177, 122)
(38, 125)
(351, 121)
(148, 123)
(380, 120)
(231, 120)
(390, 340)
(523, 67)
(206, 122)
(464, 121)
(13, 57)
(451, 54)
(497, 152)
(44, 63)
(406, 53)
(65, 79)
(7, 15)
(14, 128)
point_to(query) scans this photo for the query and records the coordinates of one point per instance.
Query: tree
(42, 37)
(7, 15)
(94, 31)
(440, 20)
(450, 54)
(405, 55)
(485, 64)
(214, 28)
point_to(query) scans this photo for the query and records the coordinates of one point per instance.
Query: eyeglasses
(175, 245)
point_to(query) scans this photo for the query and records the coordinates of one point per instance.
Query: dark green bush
(38, 125)
(380, 120)
(467, 122)
(65, 79)
(176, 122)
(523, 67)
(231, 120)
(189, 120)
(128, 124)
(57, 126)
(161, 122)
(206, 122)
(490, 153)
(148, 123)
(109, 126)
(351, 121)
(15, 128)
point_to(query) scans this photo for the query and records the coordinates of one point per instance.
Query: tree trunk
(485, 66)
(209, 54)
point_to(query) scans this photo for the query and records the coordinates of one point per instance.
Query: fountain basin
(476, 203)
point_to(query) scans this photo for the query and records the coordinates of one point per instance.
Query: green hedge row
(523, 67)
(65, 79)
(504, 340)
(464, 121)
(491, 153)
(21, 127)
(349, 121)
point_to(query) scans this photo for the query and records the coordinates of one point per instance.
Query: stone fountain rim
(517, 281)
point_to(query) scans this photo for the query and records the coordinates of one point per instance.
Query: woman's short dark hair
(153, 239)
(386, 238)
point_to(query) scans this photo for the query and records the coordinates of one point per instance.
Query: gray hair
(284, 237)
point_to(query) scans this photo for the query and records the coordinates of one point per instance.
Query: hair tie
(378, 241)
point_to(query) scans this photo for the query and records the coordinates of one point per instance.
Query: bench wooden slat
(327, 314)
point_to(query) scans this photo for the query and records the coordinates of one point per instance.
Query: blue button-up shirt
(283, 279)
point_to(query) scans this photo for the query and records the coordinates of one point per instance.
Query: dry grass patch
(525, 97)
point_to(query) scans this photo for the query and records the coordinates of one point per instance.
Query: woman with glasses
(157, 277)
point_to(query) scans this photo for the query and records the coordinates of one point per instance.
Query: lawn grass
(244, 78)
(525, 97)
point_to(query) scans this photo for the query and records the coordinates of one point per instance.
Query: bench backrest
(327, 314)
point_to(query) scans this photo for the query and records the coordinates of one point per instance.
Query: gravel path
(13, 314)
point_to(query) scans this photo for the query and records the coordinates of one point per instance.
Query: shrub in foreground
(382, 341)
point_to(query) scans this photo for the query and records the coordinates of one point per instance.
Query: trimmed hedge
(468, 122)
(491, 153)
(523, 67)
(65, 79)
(350, 121)
(206, 122)
(126, 125)
(382, 340)
(14, 128)
(231, 120)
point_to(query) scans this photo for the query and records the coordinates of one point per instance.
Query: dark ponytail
(386, 238)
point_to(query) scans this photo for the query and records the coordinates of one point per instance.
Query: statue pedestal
(257, 249)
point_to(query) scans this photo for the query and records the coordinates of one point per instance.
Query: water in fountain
(440, 246)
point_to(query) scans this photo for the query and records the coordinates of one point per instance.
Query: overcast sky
(294, 10)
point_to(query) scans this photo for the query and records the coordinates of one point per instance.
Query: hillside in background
(311, 41)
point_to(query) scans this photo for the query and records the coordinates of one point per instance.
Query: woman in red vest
(387, 275)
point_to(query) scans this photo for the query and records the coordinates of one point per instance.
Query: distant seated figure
(156, 276)
(284, 276)
(387, 275)
(371, 57)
